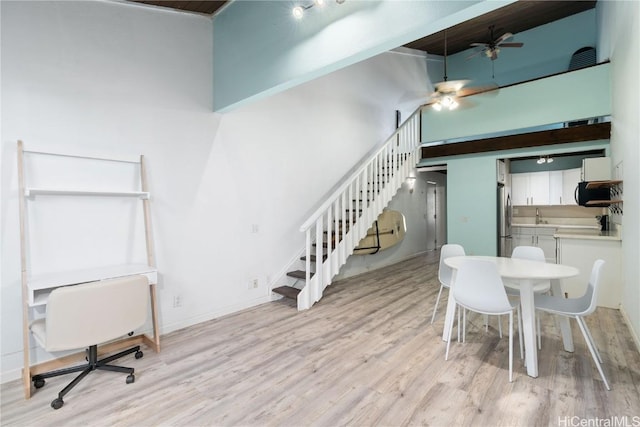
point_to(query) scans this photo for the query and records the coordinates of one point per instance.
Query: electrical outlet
(177, 301)
(253, 284)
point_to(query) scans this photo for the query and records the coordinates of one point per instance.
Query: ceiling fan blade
(475, 90)
(479, 44)
(502, 38)
(511, 44)
(450, 86)
(473, 55)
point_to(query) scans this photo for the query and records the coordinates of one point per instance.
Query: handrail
(345, 184)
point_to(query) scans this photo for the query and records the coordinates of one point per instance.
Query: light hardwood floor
(365, 355)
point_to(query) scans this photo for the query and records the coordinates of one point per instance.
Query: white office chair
(444, 271)
(577, 308)
(87, 315)
(479, 288)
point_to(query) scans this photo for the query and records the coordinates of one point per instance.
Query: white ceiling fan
(448, 93)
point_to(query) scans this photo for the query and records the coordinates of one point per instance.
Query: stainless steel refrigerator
(505, 242)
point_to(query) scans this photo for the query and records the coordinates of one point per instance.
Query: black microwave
(584, 195)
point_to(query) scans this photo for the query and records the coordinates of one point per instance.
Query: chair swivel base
(92, 365)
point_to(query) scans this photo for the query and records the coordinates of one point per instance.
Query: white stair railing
(347, 214)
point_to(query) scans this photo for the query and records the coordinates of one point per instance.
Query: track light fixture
(544, 159)
(299, 10)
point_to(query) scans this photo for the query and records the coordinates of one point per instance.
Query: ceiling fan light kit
(445, 101)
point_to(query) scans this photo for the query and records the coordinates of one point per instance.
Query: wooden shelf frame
(604, 184)
(32, 192)
(615, 189)
(36, 288)
(603, 203)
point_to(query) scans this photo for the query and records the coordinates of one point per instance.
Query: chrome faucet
(537, 216)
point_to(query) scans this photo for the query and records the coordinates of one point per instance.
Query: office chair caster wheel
(139, 354)
(131, 378)
(57, 403)
(38, 383)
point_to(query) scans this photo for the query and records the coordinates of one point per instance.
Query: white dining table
(522, 274)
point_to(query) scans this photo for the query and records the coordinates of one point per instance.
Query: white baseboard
(634, 333)
(184, 323)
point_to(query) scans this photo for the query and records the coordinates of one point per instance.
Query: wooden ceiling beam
(524, 140)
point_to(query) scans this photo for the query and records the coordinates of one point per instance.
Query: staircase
(337, 226)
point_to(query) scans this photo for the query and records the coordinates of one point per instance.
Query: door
(432, 216)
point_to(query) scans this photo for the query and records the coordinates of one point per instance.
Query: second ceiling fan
(493, 46)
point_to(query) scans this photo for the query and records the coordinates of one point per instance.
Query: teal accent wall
(547, 50)
(260, 49)
(559, 162)
(560, 98)
(471, 204)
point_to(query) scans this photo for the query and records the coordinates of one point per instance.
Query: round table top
(515, 268)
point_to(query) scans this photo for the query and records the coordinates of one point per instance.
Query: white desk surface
(49, 280)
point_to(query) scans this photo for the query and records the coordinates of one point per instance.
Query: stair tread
(287, 291)
(298, 274)
(313, 257)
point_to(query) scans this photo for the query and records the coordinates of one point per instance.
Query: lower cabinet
(541, 237)
(582, 253)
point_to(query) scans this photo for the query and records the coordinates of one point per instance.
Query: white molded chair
(479, 288)
(444, 271)
(532, 253)
(89, 314)
(577, 308)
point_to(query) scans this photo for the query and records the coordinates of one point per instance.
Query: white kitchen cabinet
(541, 237)
(520, 189)
(555, 187)
(570, 180)
(539, 188)
(581, 253)
(544, 188)
(546, 241)
(530, 188)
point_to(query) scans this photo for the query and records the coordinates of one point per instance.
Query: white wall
(619, 41)
(118, 80)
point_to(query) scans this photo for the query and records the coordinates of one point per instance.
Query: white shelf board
(31, 192)
(64, 278)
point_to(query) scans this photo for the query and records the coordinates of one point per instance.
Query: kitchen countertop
(566, 226)
(573, 231)
(589, 235)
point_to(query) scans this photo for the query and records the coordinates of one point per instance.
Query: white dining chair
(578, 308)
(532, 253)
(444, 271)
(479, 288)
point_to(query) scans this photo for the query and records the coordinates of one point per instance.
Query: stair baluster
(347, 214)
